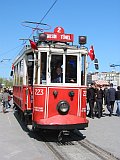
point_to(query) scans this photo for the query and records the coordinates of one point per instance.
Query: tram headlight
(42, 37)
(82, 40)
(63, 107)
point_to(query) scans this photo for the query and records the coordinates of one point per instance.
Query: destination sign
(59, 35)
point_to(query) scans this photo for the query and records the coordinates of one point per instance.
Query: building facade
(110, 77)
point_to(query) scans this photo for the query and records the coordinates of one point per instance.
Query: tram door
(39, 87)
(83, 70)
(66, 77)
(30, 65)
(29, 81)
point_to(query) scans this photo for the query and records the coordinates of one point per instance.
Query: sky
(99, 20)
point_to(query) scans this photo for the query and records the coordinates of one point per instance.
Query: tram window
(36, 69)
(83, 70)
(43, 68)
(71, 69)
(30, 68)
(15, 74)
(21, 72)
(56, 68)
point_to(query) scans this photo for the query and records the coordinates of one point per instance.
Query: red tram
(43, 102)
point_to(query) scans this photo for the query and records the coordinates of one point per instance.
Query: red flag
(91, 53)
(33, 44)
(12, 66)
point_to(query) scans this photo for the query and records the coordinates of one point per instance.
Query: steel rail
(101, 153)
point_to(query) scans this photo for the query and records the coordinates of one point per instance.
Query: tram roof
(58, 45)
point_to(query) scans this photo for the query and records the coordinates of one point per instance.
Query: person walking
(9, 97)
(91, 99)
(99, 100)
(5, 99)
(117, 98)
(111, 99)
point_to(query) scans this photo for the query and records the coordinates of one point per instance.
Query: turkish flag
(91, 53)
(12, 66)
(33, 44)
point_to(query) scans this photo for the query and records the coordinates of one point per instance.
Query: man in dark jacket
(99, 100)
(91, 99)
(111, 99)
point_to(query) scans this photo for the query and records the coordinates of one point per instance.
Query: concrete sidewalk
(105, 132)
(15, 143)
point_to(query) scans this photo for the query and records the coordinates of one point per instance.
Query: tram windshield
(71, 69)
(63, 69)
(57, 68)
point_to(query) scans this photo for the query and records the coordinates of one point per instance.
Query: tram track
(60, 151)
(103, 154)
(72, 147)
(56, 153)
(51, 144)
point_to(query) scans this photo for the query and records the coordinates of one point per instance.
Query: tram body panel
(83, 102)
(45, 105)
(17, 98)
(63, 94)
(63, 122)
(22, 97)
(39, 103)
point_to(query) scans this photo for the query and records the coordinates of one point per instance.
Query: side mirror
(11, 73)
(96, 64)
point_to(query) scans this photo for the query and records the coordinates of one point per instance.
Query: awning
(102, 82)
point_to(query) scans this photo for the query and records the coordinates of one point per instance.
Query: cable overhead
(37, 24)
(43, 17)
(4, 53)
(48, 11)
(5, 60)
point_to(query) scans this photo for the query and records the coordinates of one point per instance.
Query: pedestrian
(111, 99)
(117, 98)
(99, 100)
(91, 99)
(9, 97)
(105, 94)
(5, 99)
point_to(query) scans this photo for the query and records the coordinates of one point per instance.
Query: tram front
(59, 89)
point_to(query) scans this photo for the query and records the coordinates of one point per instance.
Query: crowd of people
(97, 97)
